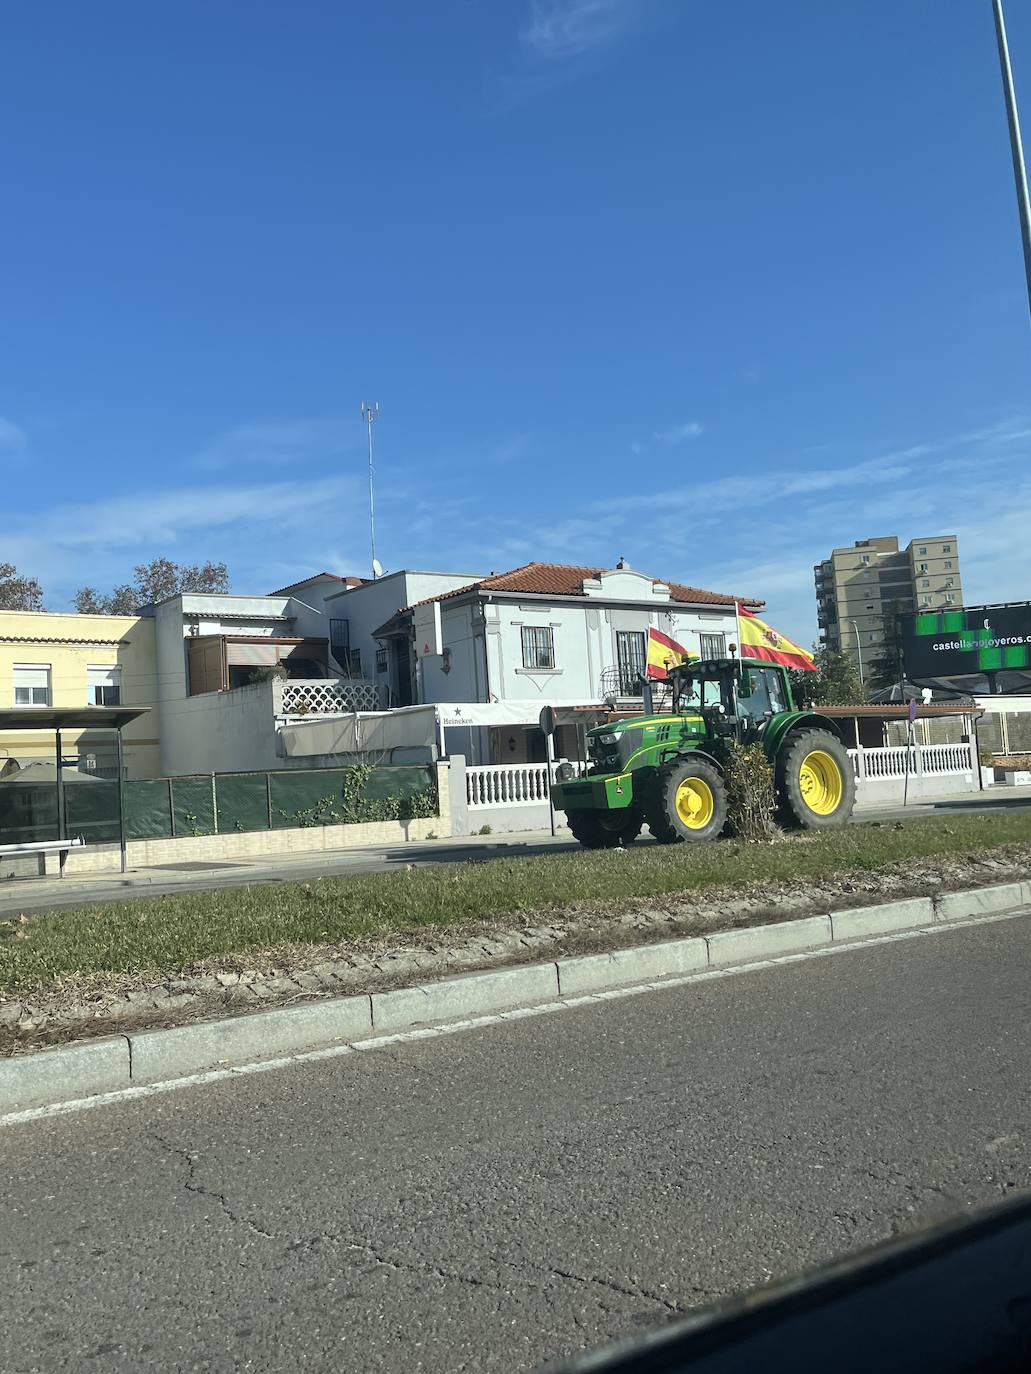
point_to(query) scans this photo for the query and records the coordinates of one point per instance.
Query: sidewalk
(19, 895)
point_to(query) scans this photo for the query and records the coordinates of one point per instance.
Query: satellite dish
(377, 568)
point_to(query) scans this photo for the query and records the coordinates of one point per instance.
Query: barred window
(538, 646)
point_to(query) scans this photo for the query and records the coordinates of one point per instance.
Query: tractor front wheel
(605, 829)
(688, 802)
(815, 780)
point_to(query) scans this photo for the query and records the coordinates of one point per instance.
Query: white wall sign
(429, 641)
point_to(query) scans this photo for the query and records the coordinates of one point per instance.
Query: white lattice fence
(326, 696)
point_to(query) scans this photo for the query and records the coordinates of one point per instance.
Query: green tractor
(666, 771)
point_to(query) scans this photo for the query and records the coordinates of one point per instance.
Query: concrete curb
(71, 1072)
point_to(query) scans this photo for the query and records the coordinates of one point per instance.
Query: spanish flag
(759, 640)
(664, 653)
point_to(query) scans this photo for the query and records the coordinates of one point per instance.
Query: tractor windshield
(695, 692)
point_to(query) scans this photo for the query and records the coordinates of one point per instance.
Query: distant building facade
(859, 588)
(73, 660)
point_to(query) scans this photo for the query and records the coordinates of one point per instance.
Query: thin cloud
(276, 443)
(679, 434)
(12, 438)
(558, 30)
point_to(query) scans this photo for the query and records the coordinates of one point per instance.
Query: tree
(18, 593)
(885, 668)
(836, 681)
(152, 582)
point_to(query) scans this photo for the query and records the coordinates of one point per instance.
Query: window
(926, 600)
(340, 641)
(950, 599)
(766, 694)
(946, 548)
(630, 658)
(926, 582)
(949, 581)
(381, 660)
(869, 605)
(104, 686)
(32, 684)
(866, 558)
(714, 646)
(948, 565)
(351, 662)
(538, 646)
(921, 551)
(923, 566)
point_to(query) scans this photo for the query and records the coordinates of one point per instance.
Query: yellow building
(80, 660)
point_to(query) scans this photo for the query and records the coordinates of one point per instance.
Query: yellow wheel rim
(819, 781)
(695, 803)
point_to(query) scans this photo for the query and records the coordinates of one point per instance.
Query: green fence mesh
(242, 801)
(193, 801)
(91, 810)
(298, 798)
(147, 815)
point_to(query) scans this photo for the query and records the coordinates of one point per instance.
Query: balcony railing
(324, 696)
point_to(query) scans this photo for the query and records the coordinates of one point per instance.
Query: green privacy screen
(158, 808)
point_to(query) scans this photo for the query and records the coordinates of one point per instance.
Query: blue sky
(712, 287)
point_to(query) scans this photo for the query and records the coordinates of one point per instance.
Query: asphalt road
(34, 894)
(489, 1199)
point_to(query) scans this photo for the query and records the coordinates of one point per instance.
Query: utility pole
(1016, 147)
(370, 413)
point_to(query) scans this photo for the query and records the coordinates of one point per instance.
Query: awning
(70, 717)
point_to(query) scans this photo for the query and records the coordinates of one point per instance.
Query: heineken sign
(978, 639)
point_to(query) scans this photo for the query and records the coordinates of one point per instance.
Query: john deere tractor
(666, 771)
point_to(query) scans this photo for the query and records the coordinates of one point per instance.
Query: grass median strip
(161, 936)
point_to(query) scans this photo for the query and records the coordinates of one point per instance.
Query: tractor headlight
(609, 739)
(564, 772)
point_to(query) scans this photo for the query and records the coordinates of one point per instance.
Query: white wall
(220, 732)
(374, 603)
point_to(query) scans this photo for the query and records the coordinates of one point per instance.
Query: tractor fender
(693, 754)
(781, 728)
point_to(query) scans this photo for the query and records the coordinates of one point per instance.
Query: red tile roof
(335, 577)
(563, 579)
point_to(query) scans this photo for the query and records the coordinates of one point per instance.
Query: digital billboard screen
(974, 641)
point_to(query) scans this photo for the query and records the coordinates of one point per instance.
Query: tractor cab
(729, 692)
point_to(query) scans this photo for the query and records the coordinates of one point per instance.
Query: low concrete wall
(929, 787)
(259, 844)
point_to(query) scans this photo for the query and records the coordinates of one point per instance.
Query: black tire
(811, 793)
(688, 802)
(605, 829)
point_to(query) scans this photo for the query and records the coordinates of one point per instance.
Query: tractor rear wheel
(688, 802)
(605, 829)
(815, 780)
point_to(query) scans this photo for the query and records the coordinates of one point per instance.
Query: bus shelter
(34, 799)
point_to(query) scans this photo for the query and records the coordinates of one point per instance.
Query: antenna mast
(370, 413)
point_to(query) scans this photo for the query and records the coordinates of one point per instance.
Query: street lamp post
(859, 650)
(1016, 147)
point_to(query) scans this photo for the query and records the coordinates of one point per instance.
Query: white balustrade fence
(523, 784)
(923, 759)
(508, 784)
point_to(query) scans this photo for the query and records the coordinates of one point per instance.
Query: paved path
(46, 894)
(488, 1199)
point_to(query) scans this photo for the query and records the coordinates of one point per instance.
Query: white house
(221, 713)
(546, 634)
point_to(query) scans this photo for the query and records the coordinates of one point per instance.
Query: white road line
(435, 1032)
